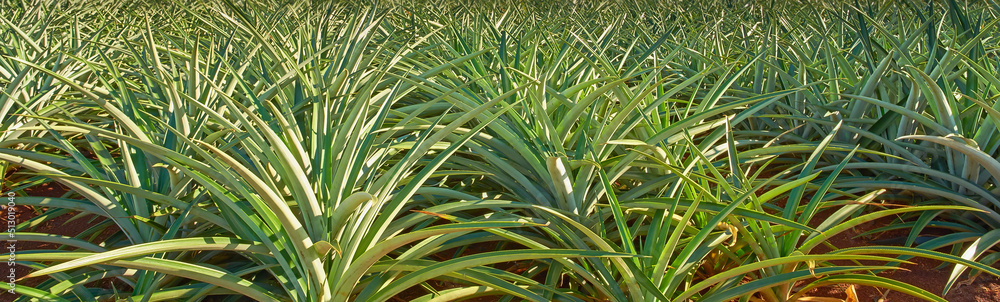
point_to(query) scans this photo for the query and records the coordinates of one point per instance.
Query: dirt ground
(922, 273)
(59, 226)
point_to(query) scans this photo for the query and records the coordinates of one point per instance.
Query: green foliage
(623, 151)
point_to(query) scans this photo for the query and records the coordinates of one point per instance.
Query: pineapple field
(442, 150)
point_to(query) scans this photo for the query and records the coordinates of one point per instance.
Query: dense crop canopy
(448, 150)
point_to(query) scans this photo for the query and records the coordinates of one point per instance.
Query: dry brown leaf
(852, 296)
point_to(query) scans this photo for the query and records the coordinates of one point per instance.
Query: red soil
(921, 274)
(57, 226)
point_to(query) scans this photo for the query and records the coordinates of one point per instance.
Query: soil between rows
(922, 273)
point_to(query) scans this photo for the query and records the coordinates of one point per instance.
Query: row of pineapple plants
(702, 150)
